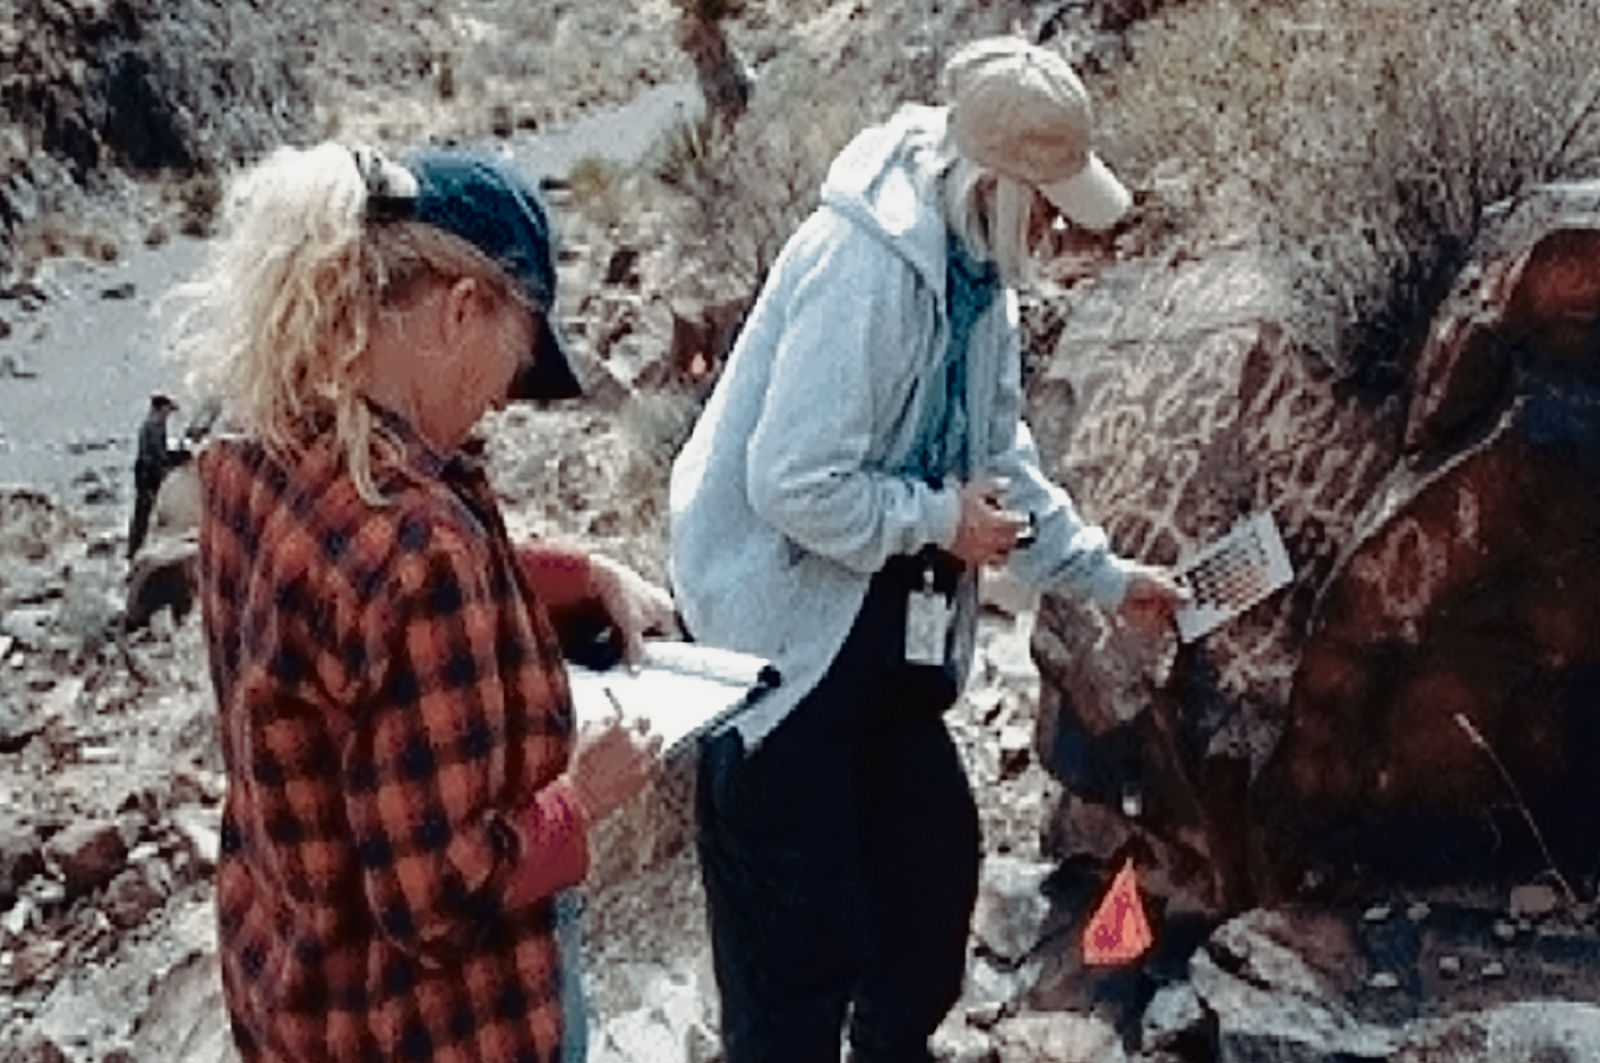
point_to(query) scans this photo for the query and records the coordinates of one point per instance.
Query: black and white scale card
(1231, 574)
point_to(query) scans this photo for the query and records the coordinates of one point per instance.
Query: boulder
(164, 576)
(1301, 985)
(1418, 703)
(33, 524)
(1445, 707)
(1174, 402)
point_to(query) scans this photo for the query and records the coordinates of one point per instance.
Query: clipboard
(685, 689)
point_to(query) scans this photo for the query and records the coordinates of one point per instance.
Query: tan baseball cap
(1019, 110)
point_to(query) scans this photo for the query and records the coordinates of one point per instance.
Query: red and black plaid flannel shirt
(391, 694)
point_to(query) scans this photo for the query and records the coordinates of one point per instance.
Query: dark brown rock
(1444, 552)
(1448, 689)
(21, 857)
(1175, 403)
(87, 854)
(164, 577)
(702, 335)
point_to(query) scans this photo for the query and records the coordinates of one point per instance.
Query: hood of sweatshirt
(886, 180)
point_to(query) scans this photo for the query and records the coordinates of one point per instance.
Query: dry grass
(1362, 139)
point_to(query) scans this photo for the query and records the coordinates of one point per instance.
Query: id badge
(927, 622)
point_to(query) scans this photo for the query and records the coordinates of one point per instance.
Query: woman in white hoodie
(862, 456)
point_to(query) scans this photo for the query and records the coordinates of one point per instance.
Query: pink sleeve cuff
(559, 574)
(555, 844)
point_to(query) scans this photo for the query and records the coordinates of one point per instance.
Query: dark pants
(146, 486)
(840, 862)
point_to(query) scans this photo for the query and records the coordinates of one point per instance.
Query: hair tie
(392, 189)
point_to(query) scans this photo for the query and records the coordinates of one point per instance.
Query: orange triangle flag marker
(1118, 932)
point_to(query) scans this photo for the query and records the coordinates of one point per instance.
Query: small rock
(1449, 966)
(500, 121)
(622, 266)
(1533, 901)
(1505, 930)
(194, 785)
(14, 365)
(125, 290)
(1016, 746)
(1173, 1019)
(45, 892)
(959, 1043)
(984, 1016)
(201, 830)
(35, 1047)
(1058, 1037)
(1011, 908)
(1493, 969)
(987, 704)
(35, 959)
(1377, 913)
(1418, 911)
(29, 626)
(87, 854)
(62, 701)
(130, 898)
(18, 918)
(991, 980)
(1384, 980)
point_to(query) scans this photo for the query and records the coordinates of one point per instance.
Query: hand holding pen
(612, 761)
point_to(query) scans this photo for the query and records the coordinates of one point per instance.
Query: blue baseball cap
(483, 200)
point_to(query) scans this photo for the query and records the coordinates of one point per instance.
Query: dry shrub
(600, 190)
(744, 190)
(1363, 139)
(199, 198)
(58, 235)
(32, 524)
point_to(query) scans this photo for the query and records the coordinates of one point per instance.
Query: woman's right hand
(987, 531)
(611, 762)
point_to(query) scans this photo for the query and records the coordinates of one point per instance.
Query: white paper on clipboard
(1231, 574)
(683, 688)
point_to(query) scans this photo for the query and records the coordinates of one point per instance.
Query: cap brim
(1092, 197)
(547, 375)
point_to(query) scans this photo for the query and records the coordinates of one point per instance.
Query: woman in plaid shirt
(406, 792)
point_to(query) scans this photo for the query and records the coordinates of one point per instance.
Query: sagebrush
(1362, 140)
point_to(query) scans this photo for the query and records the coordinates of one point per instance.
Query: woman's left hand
(1152, 598)
(635, 605)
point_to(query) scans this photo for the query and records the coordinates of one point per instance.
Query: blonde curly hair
(276, 324)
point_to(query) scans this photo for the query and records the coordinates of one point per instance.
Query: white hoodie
(785, 500)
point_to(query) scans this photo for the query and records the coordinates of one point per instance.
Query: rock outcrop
(93, 88)
(1175, 402)
(1421, 702)
(1445, 709)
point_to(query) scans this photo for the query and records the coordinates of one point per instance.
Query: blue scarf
(971, 286)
